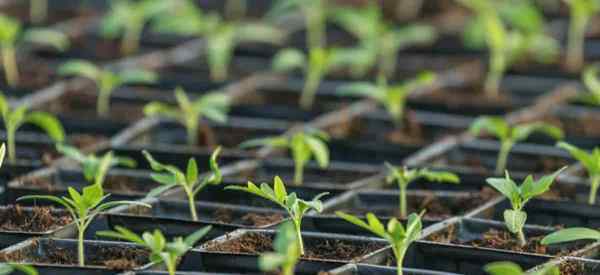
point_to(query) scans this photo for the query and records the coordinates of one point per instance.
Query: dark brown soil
(257, 243)
(113, 184)
(33, 75)
(578, 127)
(39, 219)
(464, 98)
(545, 164)
(225, 215)
(571, 268)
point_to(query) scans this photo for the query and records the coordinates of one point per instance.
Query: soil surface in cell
(39, 219)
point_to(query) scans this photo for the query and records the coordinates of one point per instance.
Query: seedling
(11, 268)
(295, 207)
(319, 63)
(161, 251)
(510, 268)
(393, 98)
(398, 236)
(581, 13)
(571, 235)
(403, 176)
(14, 118)
(518, 196)
(591, 82)
(509, 135)
(304, 146)
(286, 254)
(315, 14)
(170, 176)
(106, 80)
(380, 40)
(526, 39)
(11, 33)
(127, 19)
(85, 206)
(222, 37)
(91, 163)
(189, 113)
(591, 163)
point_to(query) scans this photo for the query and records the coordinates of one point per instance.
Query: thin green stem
(191, 126)
(575, 43)
(10, 140)
(403, 210)
(313, 80)
(505, 147)
(80, 249)
(521, 236)
(38, 11)
(298, 229)
(594, 184)
(191, 203)
(496, 71)
(131, 39)
(171, 268)
(103, 102)
(9, 61)
(299, 173)
(388, 58)
(287, 270)
(315, 26)
(399, 254)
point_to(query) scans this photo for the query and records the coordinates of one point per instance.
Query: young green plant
(15, 118)
(127, 18)
(518, 196)
(393, 97)
(222, 36)
(570, 235)
(303, 145)
(380, 41)
(295, 207)
(91, 163)
(403, 176)
(525, 38)
(189, 113)
(398, 236)
(12, 268)
(161, 251)
(106, 80)
(510, 268)
(581, 13)
(591, 163)
(12, 33)
(315, 14)
(286, 254)
(510, 135)
(85, 206)
(589, 78)
(170, 176)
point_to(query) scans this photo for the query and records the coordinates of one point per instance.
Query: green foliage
(213, 106)
(2, 153)
(380, 41)
(107, 81)
(222, 36)
(509, 135)
(161, 251)
(518, 196)
(295, 206)
(286, 254)
(591, 163)
(127, 18)
(581, 13)
(315, 14)
(14, 118)
(571, 235)
(11, 33)
(395, 233)
(589, 78)
(510, 268)
(525, 39)
(85, 206)
(9, 268)
(91, 163)
(170, 176)
(303, 145)
(403, 176)
(393, 97)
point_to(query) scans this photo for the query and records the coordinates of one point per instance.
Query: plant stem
(171, 268)
(103, 102)
(298, 173)
(192, 204)
(505, 147)
(594, 184)
(575, 44)
(521, 236)
(399, 254)
(311, 86)
(494, 76)
(403, 201)
(38, 11)
(298, 228)
(131, 39)
(191, 126)
(388, 58)
(80, 251)
(287, 270)
(9, 62)
(235, 9)
(10, 140)
(315, 25)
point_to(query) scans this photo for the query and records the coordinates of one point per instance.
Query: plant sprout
(526, 39)
(189, 113)
(315, 14)
(11, 268)
(170, 176)
(11, 33)
(581, 12)
(316, 65)
(518, 196)
(222, 37)
(106, 80)
(509, 135)
(127, 19)
(91, 163)
(295, 207)
(591, 163)
(161, 251)
(395, 233)
(380, 40)
(393, 97)
(14, 118)
(510, 268)
(403, 176)
(304, 146)
(85, 206)
(286, 254)
(570, 235)
(590, 80)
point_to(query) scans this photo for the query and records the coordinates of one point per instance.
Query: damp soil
(311, 176)
(224, 215)
(114, 184)
(33, 75)
(457, 99)
(315, 249)
(472, 160)
(577, 127)
(572, 268)
(38, 219)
